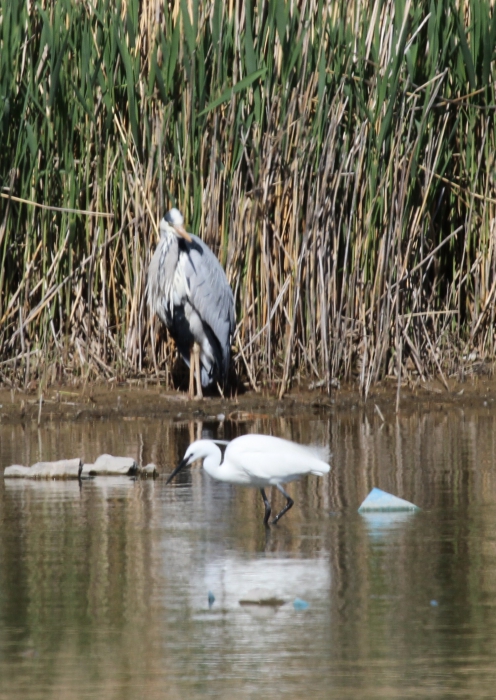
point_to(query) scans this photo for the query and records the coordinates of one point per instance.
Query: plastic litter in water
(300, 604)
(434, 603)
(380, 523)
(211, 599)
(379, 500)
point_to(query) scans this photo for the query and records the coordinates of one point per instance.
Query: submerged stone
(149, 470)
(261, 596)
(379, 500)
(17, 471)
(108, 465)
(61, 469)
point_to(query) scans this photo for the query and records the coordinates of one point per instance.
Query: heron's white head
(173, 222)
(200, 449)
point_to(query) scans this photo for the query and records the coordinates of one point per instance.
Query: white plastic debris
(379, 500)
(108, 465)
(381, 523)
(62, 469)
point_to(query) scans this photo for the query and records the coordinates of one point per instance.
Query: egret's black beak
(183, 463)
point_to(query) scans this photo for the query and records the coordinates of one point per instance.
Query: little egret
(256, 460)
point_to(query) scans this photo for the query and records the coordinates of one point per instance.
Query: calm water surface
(104, 586)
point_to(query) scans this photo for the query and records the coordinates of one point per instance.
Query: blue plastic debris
(434, 603)
(300, 604)
(380, 523)
(379, 500)
(211, 599)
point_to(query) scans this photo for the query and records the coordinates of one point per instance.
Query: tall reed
(338, 158)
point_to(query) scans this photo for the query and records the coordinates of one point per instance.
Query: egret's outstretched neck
(212, 460)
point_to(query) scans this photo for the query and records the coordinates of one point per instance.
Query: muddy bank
(131, 399)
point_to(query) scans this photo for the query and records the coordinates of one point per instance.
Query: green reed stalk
(339, 159)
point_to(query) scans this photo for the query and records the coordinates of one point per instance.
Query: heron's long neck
(212, 462)
(161, 271)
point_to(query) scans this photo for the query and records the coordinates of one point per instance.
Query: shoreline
(128, 399)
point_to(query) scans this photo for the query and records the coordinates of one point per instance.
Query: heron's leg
(288, 505)
(267, 507)
(191, 391)
(196, 351)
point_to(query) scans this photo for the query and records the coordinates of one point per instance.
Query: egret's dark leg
(289, 504)
(267, 507)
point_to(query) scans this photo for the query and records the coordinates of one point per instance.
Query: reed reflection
(114, 574)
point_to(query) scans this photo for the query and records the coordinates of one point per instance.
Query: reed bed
(337, 157)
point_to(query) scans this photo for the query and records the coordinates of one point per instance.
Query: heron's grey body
(188, 290)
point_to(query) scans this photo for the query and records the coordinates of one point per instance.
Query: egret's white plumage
(256, 460)
(188, 290)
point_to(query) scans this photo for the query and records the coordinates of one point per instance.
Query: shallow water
(104, 587)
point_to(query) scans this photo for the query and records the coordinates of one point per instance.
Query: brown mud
(128, 400)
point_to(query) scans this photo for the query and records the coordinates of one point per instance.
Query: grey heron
(256, 460)
(188, 290)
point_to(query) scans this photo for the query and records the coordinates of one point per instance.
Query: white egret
(188, 290)
(258, 461)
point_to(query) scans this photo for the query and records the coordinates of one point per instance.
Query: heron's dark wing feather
(210, 294)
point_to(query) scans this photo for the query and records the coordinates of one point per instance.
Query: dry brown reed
(338, 158)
